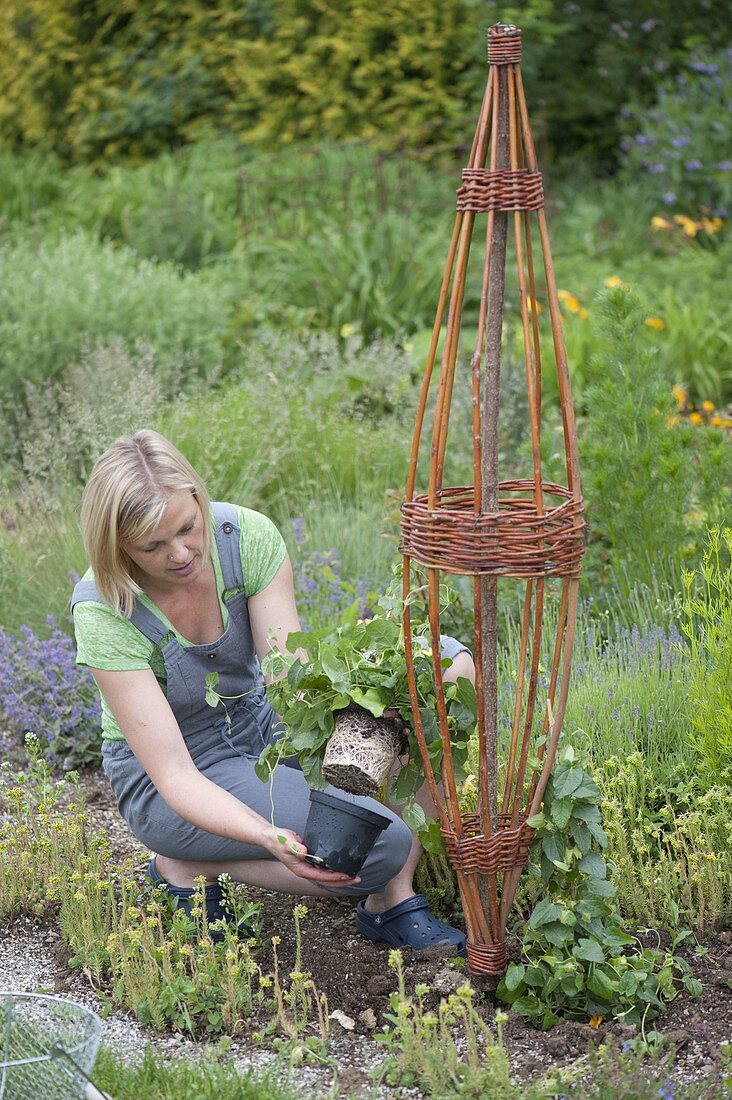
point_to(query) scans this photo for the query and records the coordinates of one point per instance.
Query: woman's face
(173, 554)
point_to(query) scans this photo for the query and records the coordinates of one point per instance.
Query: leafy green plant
(361, 663)
(708, 627)
(574, 941)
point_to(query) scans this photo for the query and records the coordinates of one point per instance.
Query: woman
(177, 589)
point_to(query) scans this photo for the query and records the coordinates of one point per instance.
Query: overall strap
(85, 591)
(147, 623)
(227, 534)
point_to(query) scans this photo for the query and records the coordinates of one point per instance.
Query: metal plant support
(527, 528)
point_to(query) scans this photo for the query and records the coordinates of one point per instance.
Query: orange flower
(708, 406)
(655, 322)
(696, 418)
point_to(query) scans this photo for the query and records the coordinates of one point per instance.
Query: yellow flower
(563, 295)
(679, 393)
(596, 1021)
(721, 422)
(347, 330)
(673, 420)
(708, 406)
(660, 223)
(583, 313)
(534, 307)
(689, 226)
(655, 322)
(712, 225)
(696, 418)
(614, 280)
(570, 301)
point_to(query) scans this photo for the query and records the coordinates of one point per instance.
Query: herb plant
(363, 664)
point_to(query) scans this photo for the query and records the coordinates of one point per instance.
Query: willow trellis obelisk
(527, 528)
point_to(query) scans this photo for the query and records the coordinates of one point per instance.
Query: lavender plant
(42, 690)
(682, 142)
(323, 593)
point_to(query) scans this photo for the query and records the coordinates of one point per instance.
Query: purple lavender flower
(725, 166)
(669, 198)
(44, 691)
(692, 165)
(680, 141)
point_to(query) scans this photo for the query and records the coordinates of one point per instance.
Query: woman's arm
(152, 732)
(272, 612)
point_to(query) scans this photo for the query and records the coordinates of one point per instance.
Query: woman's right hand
(289, 849)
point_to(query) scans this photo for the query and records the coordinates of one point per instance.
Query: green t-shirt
(107, 640)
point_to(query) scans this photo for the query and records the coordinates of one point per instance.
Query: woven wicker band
(486, 958)
(476, 853)
(500, 189)
(504, 45)
(516, 541)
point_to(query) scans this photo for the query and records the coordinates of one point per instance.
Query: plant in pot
(343, 697)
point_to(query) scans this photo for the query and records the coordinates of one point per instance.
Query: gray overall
(226, 753)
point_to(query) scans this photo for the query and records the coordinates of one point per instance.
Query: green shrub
(53, 296)
(708, 626)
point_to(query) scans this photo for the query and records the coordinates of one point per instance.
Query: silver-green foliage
(53, 295)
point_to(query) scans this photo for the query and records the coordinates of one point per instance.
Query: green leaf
(413, 816)
(543, 913)
(537, 821)
(553, 847)
(567, 782)
(560, 812)
(589, 951)
(601, 986)
(514, 976)
(430, 838)
(371, 700)
(593, 864)
(528, 1005)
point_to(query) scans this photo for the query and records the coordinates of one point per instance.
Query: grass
(206, 1077)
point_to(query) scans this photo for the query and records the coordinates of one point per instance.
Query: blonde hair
(124, 500)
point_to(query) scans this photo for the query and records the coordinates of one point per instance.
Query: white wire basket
(47, 1047)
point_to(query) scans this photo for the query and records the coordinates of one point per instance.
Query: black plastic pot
(339, 834)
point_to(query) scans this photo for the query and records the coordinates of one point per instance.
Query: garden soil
(356, 978)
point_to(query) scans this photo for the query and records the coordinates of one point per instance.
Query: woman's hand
(289, 849)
